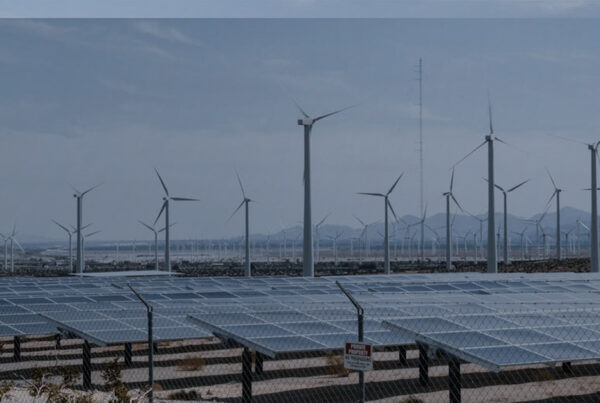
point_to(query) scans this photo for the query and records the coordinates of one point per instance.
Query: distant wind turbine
(83, 238)
(557, 194)
(318, 236)
(79, 196)
(5, 267)
(449, 195)
(165, 207)
(307, 253)
(155, 232)
(245, 202)
(365, 235)
(492, 261)
(505, 194)
(386, 205)
(70, 244)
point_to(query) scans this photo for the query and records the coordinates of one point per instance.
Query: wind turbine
(567, 245)
(364, 234)
(492, 261)
(449, 195)
(79, 196)
(593, 147)
(245, 202)
(156, 232)
(307, 122)
(505, 194)
(334, 239)
(557, 194)
(318, 236)
(481, 221)
(13, 240)
(386, 205)
(165, 207)
(70, 245)
(522, 241)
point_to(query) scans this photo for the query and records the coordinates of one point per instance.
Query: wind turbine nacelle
(305, 122)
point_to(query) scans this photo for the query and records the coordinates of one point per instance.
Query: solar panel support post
(127, 355)
(258, 363)
(567, 368)
(360, 312)
(423, 365)
(17, 348)
(454, 384)
(87, 365)
(151, 345)
(246, 376)
(402, 356)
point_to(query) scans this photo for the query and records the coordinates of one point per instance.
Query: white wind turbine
(449, 195)
(13, 241)
(79, 196)
(245, 202)
(165, 207)
(70, 244)
(567, 245)
(334, 240)
(155, 232)
(492, 261)
(307, 246)
(365, 235)
(318, 236)
(505, 194)
(386, 205)
(557, 194)
(522, 241)
(481, 221)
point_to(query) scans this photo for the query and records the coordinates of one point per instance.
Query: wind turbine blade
(332, 113)
(550, 199)
(502, 141)
(183, 199)
(359, 220)
(62, 226)
(86, 226)
(452, 180)
(90, 189)
(467, 156)
(392, 209)
(236, 210)
(394, 185)
(425, 213)
(92, 233)
(164, 205)
(551, 178)
(300, 109)
(162, 182)
(323, 220)
(567, 139)
(19, 245)
(371, 194)
(164, 228)
(457, 203)
(518, 186)
(14, 231)
(240, 182)
(497, 186)
(147, 226)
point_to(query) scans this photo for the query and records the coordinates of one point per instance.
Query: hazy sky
(89, 101)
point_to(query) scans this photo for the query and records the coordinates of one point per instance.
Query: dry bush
(335, 365)
(113, 378)
(191, 363)
(185, 395)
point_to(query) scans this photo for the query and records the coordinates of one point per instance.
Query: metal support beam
(127, 354)
(454, 380)
(17, 348)
(423, 365)
(258, 363)
(246, 376)
(402, 356)
(87, 365)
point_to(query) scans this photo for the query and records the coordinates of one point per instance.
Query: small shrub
(112, 377)
(185, 395)
(335, 365)
(191, 363)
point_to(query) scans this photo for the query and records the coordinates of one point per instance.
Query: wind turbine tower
(79, 196)
(307, 246)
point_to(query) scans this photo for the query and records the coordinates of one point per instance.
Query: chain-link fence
(501, 340)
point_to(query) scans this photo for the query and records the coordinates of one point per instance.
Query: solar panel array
(280, 314)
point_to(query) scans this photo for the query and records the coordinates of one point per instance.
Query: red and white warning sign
(358, 356)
